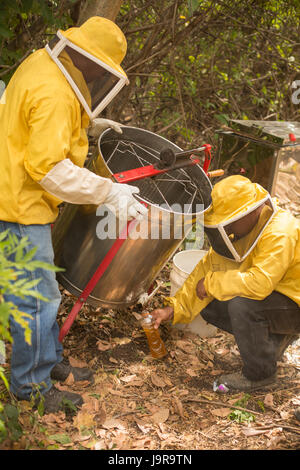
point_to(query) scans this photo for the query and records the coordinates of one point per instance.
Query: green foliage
(241, 416)
(9, 423)
(192, 64)
(16, 266)
(208, 62)
(61, 438)
(25, 25)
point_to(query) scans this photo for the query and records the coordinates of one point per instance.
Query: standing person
(248, 284)
(51, 101)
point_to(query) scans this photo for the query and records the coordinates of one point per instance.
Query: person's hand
(162, 314)
(122, 203)
(99, 125)
(200, 289)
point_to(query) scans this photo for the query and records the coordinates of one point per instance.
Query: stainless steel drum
(174, 199)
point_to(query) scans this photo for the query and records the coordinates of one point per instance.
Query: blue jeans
(32, 364)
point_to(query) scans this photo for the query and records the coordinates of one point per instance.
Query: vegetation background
(192, 64)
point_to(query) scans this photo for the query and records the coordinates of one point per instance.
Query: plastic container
(156, 344)
(184, 263)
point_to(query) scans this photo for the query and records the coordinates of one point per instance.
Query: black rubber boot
(284, 343)
(237, 381)
(62, 370)
(56, 400)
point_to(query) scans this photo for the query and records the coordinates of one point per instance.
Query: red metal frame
(125, 177)
(148, 171)
(208, 157)
(95, 279)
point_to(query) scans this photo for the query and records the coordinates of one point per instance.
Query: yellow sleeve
(51, 124)
(185, 302)
(272, 257)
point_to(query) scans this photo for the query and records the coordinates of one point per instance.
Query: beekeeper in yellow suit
(51, 104)
(248, 284)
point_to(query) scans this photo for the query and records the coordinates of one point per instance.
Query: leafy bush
(13, 280)
(16, 261)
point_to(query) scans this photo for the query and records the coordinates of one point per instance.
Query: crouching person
(248, 284)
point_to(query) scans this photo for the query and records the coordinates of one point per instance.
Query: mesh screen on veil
(226, 244)
(93, 81)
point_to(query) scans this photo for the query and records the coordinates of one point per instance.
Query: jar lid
(147, 318)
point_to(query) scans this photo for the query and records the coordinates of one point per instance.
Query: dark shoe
(62, 370)
(297, 414)
(56, 400)
(238, 381)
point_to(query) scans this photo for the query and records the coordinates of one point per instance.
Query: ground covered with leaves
(139, 403)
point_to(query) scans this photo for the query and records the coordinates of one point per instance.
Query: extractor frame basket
(127, 265)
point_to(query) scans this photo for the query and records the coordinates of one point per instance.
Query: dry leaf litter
(138, 402)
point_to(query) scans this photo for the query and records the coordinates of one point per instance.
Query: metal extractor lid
(273, 132)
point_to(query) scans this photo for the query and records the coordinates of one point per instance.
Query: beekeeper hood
(90, 56)
(239, 213)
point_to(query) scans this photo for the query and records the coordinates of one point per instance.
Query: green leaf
(36, 295)
(26, 5)
(29, 255)
(241, 416)
(193, 5)
(223, 118)
(60, 438)
(5, 32)
(11, 412)
(5, 310)
(69, 405)
(261, 405)
(3, 235)
(4, 379)
(3, 431)
(41, 407)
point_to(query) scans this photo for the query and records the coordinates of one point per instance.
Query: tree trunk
(106, 8)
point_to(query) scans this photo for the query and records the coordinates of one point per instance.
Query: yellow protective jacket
(273, 264)
(41, 124)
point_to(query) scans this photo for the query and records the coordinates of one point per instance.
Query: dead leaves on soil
(167, 404)
(103, 345)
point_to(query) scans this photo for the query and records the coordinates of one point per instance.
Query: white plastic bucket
(184, 263)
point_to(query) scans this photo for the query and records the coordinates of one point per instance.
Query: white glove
(70, 183)
(121, 202)
(99, 125)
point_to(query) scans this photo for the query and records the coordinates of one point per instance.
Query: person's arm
(273, 255)
(52, 123)
(186, 304)
(76, 185)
